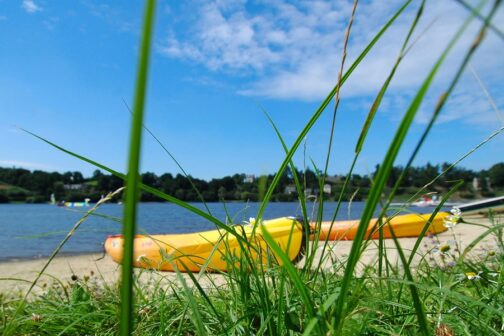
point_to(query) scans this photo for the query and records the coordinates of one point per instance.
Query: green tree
(97, 174)
(58, 190)
(496, 174)
(167, 183)
(150, 179)
(77, 177)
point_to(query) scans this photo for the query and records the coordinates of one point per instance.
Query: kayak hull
(410, 225)
(218, 249)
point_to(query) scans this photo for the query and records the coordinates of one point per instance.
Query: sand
(104, 269)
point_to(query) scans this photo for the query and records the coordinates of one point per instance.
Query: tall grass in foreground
(133, 179)
(448, 291)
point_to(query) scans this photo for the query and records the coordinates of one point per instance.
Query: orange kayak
(217, 247)
(404, 226)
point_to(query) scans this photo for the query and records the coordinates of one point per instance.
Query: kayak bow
(218, 248)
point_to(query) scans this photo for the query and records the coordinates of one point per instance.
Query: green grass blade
(478, 239)
(195, 314)
(333, 119)
(201, 290)
(444, 97)
(60, 246)
(382, 177)
(146, 188)
(281, 305)
(322, 107)
(417, 302)
(451, 293)
(478, 146)
(379, 97)
(294, 276)
(325, 306)
(186, 175)
(431, 218)
(297, 182)
(133, 178)
(100, 215)
(426, 228)
(476, 12)
(367, 124)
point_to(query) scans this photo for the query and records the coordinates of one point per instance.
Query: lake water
(34, 230)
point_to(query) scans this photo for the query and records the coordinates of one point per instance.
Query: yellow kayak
(404, 226)
(165, 252)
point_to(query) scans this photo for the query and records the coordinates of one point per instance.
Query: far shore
(401, 199)
(16, 275)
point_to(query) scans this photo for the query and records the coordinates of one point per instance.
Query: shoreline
(63, 267)
(16, 276)
(401, 199)
(45, 257)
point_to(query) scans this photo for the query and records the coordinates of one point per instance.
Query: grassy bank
(459, 283)
(447, 291)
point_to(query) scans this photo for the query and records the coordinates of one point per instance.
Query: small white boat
(425, 201)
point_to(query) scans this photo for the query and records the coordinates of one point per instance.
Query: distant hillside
(10, 193)
(21, 185)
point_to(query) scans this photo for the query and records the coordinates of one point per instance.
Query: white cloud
(291, 50)
(30, 6)
(228, 37)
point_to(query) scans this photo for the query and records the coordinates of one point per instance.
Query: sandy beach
(16, 276)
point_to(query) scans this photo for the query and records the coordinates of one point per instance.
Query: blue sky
(67, 66)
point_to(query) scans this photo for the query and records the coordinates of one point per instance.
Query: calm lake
(34, 230)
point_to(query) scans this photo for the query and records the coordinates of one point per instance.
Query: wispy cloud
(25, 164)
(112, 16)
(226, 36)
(30, 6)
(51, 22)
(290, 50)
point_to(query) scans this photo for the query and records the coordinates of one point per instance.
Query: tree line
(22, 185)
